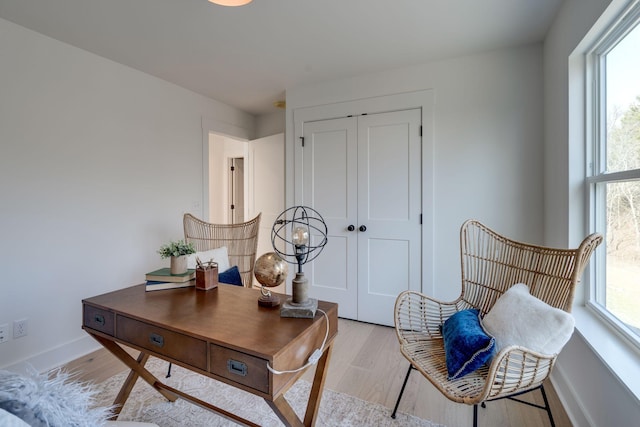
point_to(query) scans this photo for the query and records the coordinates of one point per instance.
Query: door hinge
(302, 139)
(233, 168)
(420, 130)
(233, 207)
(420, 219)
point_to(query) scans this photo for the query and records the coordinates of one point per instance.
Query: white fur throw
(50, 400)
(519, 318)
(7, 419)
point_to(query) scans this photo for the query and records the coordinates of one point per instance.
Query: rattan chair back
(241, 241)
(492, 263)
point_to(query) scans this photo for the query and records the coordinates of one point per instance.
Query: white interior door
(330, 186)
(389, 208)
(266, 187)
(365, 172)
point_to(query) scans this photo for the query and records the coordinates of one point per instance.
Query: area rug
(146, 404)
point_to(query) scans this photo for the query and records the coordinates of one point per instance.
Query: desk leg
(137, 370)
(284, 411)
(316, 388)
(126, 388)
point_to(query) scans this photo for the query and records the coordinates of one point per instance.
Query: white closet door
(330, 186)
(389, 206)
(364, 172)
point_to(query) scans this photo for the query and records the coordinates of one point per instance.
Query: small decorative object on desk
(270, 271)
(206, 275)
(178, 252)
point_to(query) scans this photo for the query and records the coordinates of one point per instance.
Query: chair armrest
(515, 369)
(418, 316)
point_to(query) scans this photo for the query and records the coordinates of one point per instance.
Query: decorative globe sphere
(270, 270)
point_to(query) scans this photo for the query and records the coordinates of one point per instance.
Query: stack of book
(163, 279)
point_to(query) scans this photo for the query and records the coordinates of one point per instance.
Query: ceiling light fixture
(231, 2)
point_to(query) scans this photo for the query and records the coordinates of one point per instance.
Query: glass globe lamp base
(304, 310)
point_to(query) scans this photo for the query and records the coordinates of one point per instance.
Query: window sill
(620, 356)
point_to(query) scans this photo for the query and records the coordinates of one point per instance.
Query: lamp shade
(292, 232)
(230, 2)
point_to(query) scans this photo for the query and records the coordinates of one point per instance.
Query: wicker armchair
(491, 264)
(241, 241)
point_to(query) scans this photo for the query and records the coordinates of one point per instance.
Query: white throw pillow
(519, 318)
(219, 255)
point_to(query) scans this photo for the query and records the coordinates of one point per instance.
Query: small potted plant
(178, 252)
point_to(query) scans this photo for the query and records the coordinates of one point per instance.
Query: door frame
(210, 125)
(425, 101)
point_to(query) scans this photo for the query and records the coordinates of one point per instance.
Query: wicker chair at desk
(491, 264)
(240, 239)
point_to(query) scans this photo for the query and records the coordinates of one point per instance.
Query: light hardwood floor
(366, 363)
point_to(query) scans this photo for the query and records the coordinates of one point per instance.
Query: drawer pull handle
(236, 367)
(156, 339)
(99, 319)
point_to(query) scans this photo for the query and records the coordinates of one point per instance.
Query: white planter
(179, 264)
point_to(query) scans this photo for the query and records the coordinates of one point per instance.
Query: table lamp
(298, 235)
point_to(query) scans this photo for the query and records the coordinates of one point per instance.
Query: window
(614, 173)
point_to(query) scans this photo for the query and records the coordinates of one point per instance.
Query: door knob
(351, 227)
(362, 228)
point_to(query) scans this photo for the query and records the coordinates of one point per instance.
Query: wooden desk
(221, 333)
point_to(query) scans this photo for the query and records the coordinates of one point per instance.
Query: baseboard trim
(567, 395)
(56, 356)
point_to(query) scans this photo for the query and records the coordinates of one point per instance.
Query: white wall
(590, 371)
(487, 143)
(574, 19)
(270, 124)
(98, 162)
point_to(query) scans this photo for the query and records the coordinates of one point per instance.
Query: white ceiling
(249, 56)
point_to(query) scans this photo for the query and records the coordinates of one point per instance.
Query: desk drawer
(98, 319)
(240, 367)
(191, 351)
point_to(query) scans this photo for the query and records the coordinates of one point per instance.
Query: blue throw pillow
(467, 345)
(231, 276)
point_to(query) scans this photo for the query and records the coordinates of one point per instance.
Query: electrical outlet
(4, 332)
(20, 328)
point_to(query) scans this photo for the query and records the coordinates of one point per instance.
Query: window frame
(597, 177)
